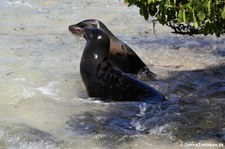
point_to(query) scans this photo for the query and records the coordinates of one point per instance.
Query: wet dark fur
(104, 80)
(121, 54)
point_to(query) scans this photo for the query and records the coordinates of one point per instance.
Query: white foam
(2, 132)
(27, 93)
(20, 3)
(20, 79)
(142, 108)
(16, 142)
(164, 130)
(49, 89)
(137, 125)
(33, 145)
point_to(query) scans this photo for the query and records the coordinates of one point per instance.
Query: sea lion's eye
(82, 25)
(94, 25)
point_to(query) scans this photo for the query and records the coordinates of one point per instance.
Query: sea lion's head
(78, 29)
(97, 43)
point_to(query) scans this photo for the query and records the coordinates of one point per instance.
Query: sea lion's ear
(97, 24)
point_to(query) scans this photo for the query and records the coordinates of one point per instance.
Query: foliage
(186, 16)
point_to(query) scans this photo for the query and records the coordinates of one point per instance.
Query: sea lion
(121, 54)
(106, 81)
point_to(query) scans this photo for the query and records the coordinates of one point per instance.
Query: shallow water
(43, 103)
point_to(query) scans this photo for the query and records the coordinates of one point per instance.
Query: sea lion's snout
(71, 28)
(76, 30)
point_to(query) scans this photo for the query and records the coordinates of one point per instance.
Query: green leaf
(144, 12)
(209, 28)
(195, 20)
(168, 2)
(207, 13)
(223, 13)
(152, 10)
(184, 16)
(180, 16)
(209, 5)
(201, 16)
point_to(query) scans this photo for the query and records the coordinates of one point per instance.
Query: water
(43, 103)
